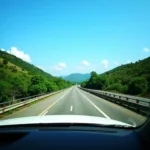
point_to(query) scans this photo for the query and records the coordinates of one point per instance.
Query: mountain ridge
(77, 77)
(132, 78)
(20, 79)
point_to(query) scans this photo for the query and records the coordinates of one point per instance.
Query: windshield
(83, 58)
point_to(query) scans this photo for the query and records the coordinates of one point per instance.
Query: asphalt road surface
(75, 101)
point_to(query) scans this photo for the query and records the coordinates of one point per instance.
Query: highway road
(74, 101)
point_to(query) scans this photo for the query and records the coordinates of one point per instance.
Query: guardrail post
(127, 101)
(149, 109)
(114, 98)
(25, 101)
(120, 101)
(9, 103)
(3, 107)
(138, 107)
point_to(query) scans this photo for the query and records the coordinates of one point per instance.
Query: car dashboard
(70, 137)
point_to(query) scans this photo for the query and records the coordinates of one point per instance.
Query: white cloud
(128, 61)
(116, 63)
(59, 66)
(105, 63)
(20, 54)
(85, 63)
(2, 49)
(62, 65)
(145, 49)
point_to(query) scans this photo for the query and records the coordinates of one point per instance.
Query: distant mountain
(77, 77)
(63, 76)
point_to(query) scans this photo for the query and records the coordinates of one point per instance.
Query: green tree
(36, 80)
(5, 62)
(102, 82)
(51, 86)
(4, 91)
(14, 69)
(37, 86)
(17, 88)
(138, 85)
(83, 84)
(93, 81)
(117, 87)
(37, 89)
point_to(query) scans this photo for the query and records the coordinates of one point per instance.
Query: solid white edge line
(71, 108)
(93, 104)
(43, 112)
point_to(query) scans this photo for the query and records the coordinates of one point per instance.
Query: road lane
(54, 103)
(75, 101)
(115, 111)
(94, 105)
(37, 108)
(79, 104)
(71, 108)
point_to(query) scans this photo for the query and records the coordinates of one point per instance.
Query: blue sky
(67, 36)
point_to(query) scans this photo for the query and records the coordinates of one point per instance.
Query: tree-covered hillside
(133, 78)
(19, 79)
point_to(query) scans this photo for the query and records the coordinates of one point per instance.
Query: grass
(12, 65)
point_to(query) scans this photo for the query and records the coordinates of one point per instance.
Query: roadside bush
(5, 62)
(37, 89)
(138, 85)
(118, 87)
(4, 98)
(14, 69)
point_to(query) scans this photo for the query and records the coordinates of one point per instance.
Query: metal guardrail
(138, 104)
(10, 105)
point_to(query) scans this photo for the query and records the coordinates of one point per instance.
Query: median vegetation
(133, 78)
(20, 79)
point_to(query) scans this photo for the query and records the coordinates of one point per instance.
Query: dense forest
(133, 78)
(20, 79)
